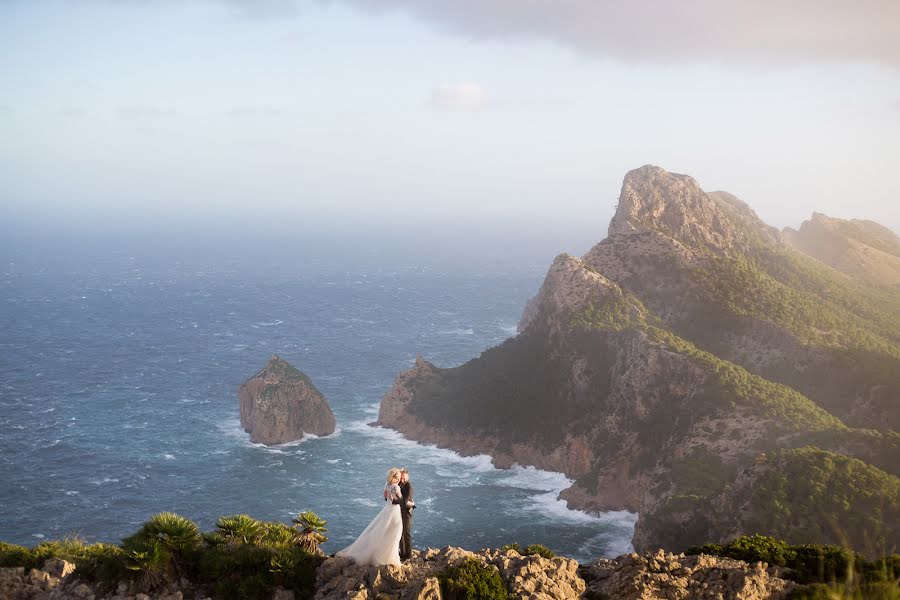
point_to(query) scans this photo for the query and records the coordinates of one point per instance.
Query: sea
(120, 362)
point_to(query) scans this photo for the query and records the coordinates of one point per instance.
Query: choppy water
(118, 379)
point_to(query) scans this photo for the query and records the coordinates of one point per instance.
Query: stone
(58, 567)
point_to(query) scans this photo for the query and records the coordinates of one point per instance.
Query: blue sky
(426, 114)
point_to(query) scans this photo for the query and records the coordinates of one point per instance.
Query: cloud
(675, 31)
(145, 112)
(257, 111)
(71, 112)
(462, 96)
(264, 9)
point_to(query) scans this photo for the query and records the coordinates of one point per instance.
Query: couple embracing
(387, 539)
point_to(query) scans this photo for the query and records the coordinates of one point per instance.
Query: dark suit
(406, 490)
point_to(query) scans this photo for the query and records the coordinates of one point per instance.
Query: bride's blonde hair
(395, 472)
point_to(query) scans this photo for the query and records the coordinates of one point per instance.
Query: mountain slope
(864, 250)
(656, 369)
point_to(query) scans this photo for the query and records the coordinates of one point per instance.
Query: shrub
(539, 550)
(13, 555)
(94, 562)
(530, 550)
(310, 531)
(472, 580)
(828, 572)
(515, 547)
(167, 546)
(234, 529)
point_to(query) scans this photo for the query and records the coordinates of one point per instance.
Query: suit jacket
(406, 490)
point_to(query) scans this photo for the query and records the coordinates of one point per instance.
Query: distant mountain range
(700, 367)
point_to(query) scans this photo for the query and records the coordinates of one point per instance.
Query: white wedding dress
(379, 543)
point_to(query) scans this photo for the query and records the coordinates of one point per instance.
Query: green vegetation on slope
(731, 381)
(812, 494)
(809, 563)
(242, 559)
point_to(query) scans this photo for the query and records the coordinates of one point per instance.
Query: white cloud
(462, 96)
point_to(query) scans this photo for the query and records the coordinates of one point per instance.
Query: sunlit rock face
(280, 404)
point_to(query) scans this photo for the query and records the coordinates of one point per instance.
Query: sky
(439, 115)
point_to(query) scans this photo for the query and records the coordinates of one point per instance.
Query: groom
(406, 507)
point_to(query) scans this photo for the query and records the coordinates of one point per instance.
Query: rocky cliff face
(279, 404)
(659, 366)
(861, 249)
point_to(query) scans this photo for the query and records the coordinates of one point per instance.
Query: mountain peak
(675, 205)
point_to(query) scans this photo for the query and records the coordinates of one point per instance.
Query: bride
(379, 543)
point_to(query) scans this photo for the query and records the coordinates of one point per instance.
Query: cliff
(280, 404)
(659, 367)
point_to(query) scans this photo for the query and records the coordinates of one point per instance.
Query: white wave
(104, 480)
(433, 455)
(333, 461)
(71, 493)
(552, 483)
(40, 536)
(365, 501)
(507, 328)
(270, 323)
(532, 478)
(613, 543)
(169, 456)
(459, 331)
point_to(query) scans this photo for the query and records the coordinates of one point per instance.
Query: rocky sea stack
(280, 404)
(695, 368)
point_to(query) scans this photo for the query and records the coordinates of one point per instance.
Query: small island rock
(280, 404)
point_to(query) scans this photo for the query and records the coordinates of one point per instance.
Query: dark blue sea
(119, 368)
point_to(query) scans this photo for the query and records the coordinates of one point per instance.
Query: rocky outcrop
(658, 366)
(280, 404)
(861, 249)
(667, 576)
(630, 576)
(57, 579)
(526, 577)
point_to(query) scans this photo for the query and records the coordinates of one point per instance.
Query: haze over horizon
(390, 116)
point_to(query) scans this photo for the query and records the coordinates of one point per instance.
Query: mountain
(280, 404)
(662, 367)
(864, 250)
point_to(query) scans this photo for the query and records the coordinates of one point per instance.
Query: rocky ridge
(657, 368)
(280, 404)
(864, 250)
(630, 577)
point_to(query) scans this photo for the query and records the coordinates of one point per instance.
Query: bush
(13, 555)
(472, 580)
(310, 531)
(94, 562)
(530, 550)
(165, 548)
(243, 559)
(235, 529)
(827, 572)
(539, 550)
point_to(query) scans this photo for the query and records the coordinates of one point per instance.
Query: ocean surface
(119, 371)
